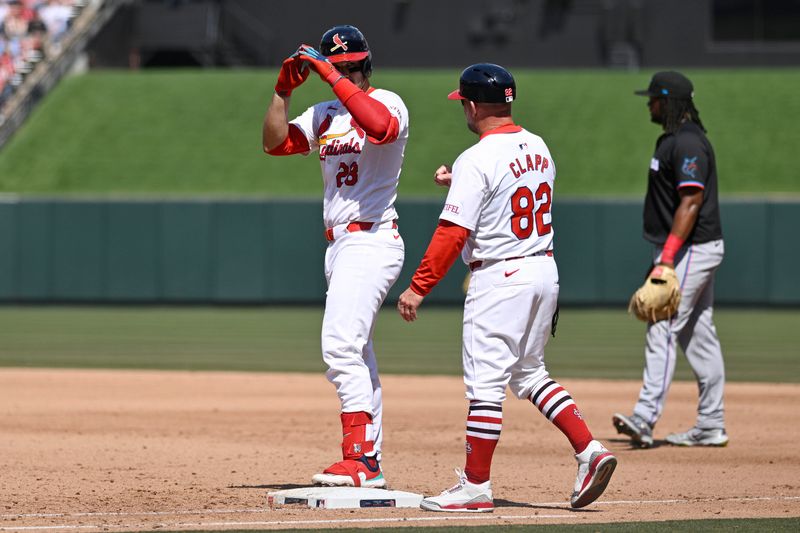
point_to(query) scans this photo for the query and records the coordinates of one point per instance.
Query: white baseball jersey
(360, 177)
(501, 190)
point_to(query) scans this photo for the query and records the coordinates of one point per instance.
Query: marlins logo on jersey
(689, 167)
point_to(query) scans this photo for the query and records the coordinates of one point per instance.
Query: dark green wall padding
(271, 251)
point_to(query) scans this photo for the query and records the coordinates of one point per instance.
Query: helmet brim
(455, 95)
(344, 58)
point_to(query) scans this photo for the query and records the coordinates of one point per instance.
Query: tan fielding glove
(659, 297)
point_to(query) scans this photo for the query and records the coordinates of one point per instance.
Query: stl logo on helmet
(339, 43)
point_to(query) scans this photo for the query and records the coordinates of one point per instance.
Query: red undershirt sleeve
(442, 252)
(369, 113)
(294, 143)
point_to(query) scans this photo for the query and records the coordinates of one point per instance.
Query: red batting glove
(293, 73)
(320, 64)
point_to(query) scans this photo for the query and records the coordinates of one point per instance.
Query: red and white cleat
(595, 466)
(463, 497)
(362, 472)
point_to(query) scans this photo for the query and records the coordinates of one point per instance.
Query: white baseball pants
(508, 314)
(360, 268)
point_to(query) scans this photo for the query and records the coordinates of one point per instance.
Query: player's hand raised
(292, 74)
(443, 176)
(319, 63)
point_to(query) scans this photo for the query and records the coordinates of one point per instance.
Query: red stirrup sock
(484, 422)
(357, 438)
(557, 405)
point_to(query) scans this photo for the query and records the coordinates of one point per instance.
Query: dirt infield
(125, 450)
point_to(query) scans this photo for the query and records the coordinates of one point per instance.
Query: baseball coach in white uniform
(498, 216)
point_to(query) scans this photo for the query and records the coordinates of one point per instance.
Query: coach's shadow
(525, 505)
(275, 486)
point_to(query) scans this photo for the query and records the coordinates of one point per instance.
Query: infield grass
(759, 345)
(199, 132)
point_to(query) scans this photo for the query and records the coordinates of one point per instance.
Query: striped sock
(484, 422)
(557, 405)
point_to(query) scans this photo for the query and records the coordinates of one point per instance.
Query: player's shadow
(508, 503)
(626, 440)
(276, 486)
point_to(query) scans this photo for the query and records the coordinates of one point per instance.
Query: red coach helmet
(485, 83)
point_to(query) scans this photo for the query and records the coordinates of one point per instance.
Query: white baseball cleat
(462, 497)
(699, 437)
(595, 466)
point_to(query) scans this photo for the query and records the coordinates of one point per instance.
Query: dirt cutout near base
(139, 450)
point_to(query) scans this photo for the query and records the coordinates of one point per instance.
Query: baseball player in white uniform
(498, 215)
(361, 137)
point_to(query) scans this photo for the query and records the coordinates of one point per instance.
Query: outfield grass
(759, 345)
(199, 132)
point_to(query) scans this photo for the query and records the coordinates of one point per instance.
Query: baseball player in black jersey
(681, 219)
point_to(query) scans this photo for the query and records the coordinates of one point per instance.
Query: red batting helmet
(346, 43)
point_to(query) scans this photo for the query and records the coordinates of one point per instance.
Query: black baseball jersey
(682, 159)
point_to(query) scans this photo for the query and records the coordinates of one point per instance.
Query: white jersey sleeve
(467, 192)
(396, 107)
(309, 123)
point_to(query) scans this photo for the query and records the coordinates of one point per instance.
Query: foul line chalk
(134, 513)
(298, 522)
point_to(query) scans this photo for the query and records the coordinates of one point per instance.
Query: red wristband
(333, 77)
(671, 248)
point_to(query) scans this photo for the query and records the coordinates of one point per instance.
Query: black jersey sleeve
(690, 159)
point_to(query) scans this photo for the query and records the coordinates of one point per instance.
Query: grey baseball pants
(693, 329)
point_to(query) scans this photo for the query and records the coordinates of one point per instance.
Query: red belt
(478, 264)
(353, 227)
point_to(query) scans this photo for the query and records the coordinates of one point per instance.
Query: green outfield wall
(271, 251)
